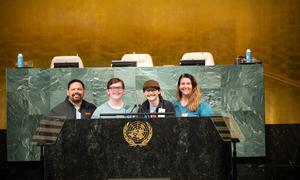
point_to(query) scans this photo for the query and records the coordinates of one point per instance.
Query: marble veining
(31, 93)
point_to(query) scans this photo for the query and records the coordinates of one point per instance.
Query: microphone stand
(43, 163)
(234, 164)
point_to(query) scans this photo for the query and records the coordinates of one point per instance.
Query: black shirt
(165, 104)
(66, 110)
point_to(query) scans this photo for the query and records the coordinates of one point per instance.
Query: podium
(178, 149)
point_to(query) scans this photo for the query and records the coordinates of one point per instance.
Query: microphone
(127, 112)
(142, 110)
(133, 108)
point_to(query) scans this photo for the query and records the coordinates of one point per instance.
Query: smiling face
(76, 92)
(115, 91)
(152, 94)
(185, 86)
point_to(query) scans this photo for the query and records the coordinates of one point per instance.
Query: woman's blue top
(203, 110)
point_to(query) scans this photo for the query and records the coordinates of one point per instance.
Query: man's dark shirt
(167, 105)
(66, 110)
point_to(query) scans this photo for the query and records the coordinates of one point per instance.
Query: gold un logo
(137, 133)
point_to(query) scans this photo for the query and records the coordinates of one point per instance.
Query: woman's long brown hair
(195, 96)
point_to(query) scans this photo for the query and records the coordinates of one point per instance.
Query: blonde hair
(195, 96)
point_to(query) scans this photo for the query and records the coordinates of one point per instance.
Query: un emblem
(137, 133)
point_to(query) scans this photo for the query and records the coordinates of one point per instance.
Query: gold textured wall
(102, 30)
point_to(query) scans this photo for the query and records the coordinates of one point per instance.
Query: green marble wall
(31, 93)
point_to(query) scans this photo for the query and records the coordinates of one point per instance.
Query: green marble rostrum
(234, 89)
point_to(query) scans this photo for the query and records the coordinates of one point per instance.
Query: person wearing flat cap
(155, 102)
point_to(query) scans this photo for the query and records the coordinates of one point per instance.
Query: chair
(207, 56)
(142, 60)
(66, 61)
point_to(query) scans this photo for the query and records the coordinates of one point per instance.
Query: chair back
(207, 56)
(65, 60)
(142, 60)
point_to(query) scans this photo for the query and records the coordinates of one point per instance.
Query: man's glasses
(116, 88)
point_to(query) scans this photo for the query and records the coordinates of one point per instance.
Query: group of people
(188, 104)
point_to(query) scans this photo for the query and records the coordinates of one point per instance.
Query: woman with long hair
(189, 102)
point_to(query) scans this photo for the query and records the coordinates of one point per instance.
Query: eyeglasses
(116, 88)
(151, 89)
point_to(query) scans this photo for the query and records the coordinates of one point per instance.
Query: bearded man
(74, 106)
